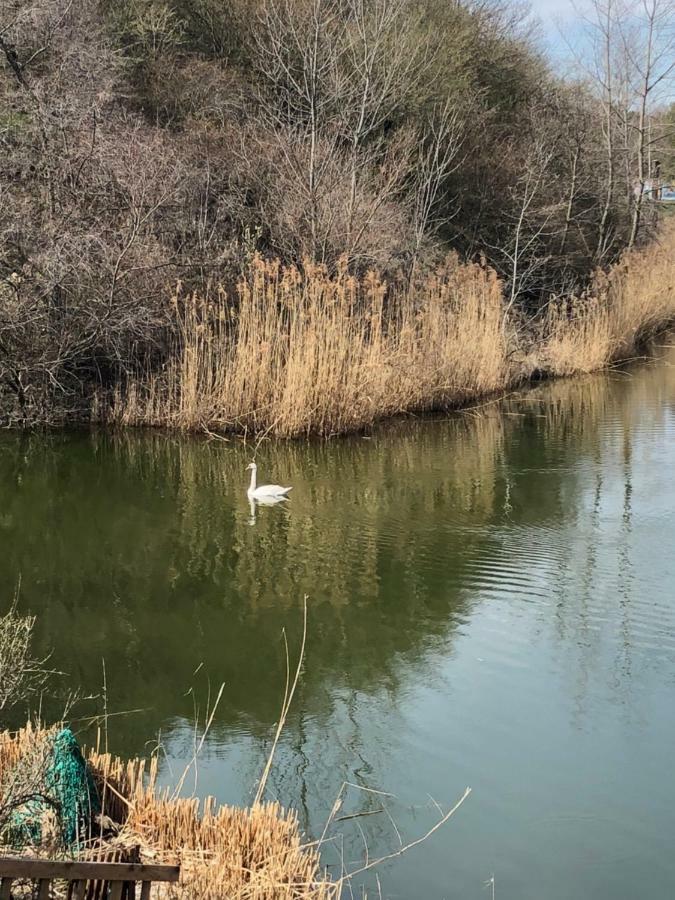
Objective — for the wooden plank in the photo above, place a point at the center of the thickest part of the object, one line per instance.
(115, 890)
(145, 890)
(6, 889)
(43, 889)
(19, 867)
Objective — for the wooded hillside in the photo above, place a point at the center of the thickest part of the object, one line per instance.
(146, 142)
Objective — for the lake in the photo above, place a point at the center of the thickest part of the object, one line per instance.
(491, 603)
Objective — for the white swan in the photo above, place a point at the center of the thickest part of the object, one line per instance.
(265, 492)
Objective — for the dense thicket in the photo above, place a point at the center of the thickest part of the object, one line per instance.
(148, 141)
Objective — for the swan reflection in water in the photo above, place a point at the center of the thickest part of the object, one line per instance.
(264, 501)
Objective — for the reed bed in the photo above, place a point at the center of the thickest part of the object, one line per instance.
(622, 308)
(300, 351)
(224, 852)
(577, 337)
(303, 352)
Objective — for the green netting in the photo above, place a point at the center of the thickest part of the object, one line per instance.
(65, 786)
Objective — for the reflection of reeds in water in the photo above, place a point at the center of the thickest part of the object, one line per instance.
(391, 484)
(418, 504)
(571, 409)
(384, 534)
(382, 482)
(397, 478)
(578, 409)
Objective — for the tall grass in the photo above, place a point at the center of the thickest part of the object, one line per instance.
(300, 351)
(621, 309)
(224, 851)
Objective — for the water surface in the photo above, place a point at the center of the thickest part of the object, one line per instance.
(490, 602)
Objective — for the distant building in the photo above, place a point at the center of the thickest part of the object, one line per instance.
(653, 189)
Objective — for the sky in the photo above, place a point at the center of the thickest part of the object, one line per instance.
(563, 29)
(557, 15)
(549, 8)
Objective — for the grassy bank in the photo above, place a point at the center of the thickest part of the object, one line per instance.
(302, 352)
(621, 309)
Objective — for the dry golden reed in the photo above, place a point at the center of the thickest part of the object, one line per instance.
(300, 351)
(303, 352)
(224, 852)
(621, 309)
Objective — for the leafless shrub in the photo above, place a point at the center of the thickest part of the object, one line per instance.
(21, 674)
(146, 141)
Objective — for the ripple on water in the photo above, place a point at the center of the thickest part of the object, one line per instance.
(491, 603)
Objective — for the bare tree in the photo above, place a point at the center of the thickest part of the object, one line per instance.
(524, 253)
(296, 46)
(576, 131)
(378, 68)
(21, 674)
(630, 54)
(338, 75)
(437, 158)
(648, 38)
(604, 39)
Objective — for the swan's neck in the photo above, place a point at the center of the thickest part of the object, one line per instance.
(252, 485)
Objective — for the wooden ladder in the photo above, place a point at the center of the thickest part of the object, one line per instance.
(86, 880)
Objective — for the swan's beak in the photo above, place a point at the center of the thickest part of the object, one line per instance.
(250, 466)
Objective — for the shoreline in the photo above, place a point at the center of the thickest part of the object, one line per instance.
(85, 425)
(478, 402)
(307, 354)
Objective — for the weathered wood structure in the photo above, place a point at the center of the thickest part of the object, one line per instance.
(85, 880)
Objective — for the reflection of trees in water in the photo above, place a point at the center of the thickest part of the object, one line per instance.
(611, 419)
(139, 549)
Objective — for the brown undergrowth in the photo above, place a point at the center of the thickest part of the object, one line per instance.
(621, 309)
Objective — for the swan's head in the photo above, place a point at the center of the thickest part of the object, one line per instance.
(251, 465)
